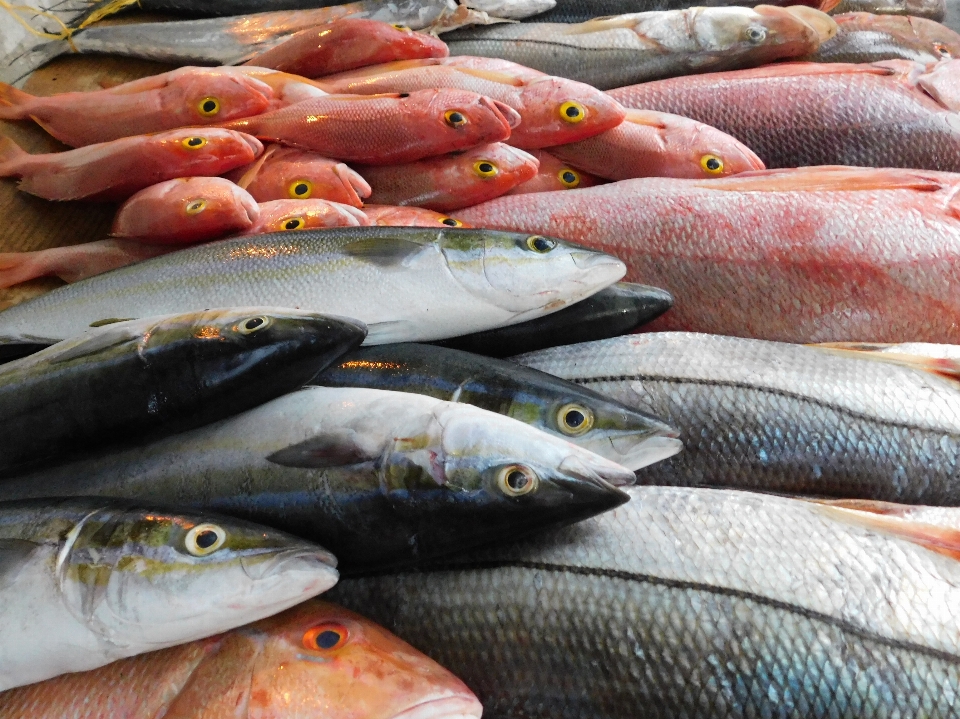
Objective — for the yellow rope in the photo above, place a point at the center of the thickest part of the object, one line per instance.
(104, 10)
(16, 10)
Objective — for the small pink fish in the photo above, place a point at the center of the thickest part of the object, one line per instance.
(286, 215)
(285, 173)
(180, 98)
(390, 216)
(287, 89)
(385, 129)
(555, 175)
(658, 144)
(184, 211)
(452, 181)
(115, 170)
(346, 45)
(75, 262)
(494, 64)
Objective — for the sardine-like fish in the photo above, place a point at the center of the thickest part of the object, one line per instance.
(452, 181)
(800, 114)
(115, 170)
(778, 417)
(578, 11)
(158, 376)
(693, 602)
(391, 216)
(622, 50)
(85, 582)
(930, 9)
(409, 284)
(381, 478)
(75, 262)
(616, 310)
(832, 254)
(865, 37)
(319, 658)
(554, 175)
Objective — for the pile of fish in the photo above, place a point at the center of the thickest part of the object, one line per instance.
(387, 314)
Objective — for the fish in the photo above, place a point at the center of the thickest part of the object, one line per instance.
(610, 52)
(452, 181)
(798, 114)
(73, 263)
(116, 170)
(348, 44)
(387, 129)
(406, 284)
(384, 478)
(390, 216)
(550, 110)
(578, 11)
(616, 310)
(553, 175)
(864, 37)
(778, 417)
(287, 89)
(692, 602)
(941, 83)
(939, 359)
(188, 96)
(832, 255)
(87, 581)
(658, 144)
(185, 211)
(317, 657)
(585, 418)
(929, 9)
(123, 381)
(287, 173)
(287, 215)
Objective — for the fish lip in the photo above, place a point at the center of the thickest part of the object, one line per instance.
(636, 455)
(280, 561)
(510, 117)
(253, 142)
(605, 475)
(455, 707)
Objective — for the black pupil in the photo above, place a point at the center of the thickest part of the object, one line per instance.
(209, 106)
(292, 224)
(252, 324)
(194, 141)
(449, 221)
(575, 418)
(573, 111)
(456, 118)
(713, 164)
(541, 244)
(486, 167)
(300, 189)
(328, 639)
(517, 480)
(207, 539)
(569, 177)
(404, 94)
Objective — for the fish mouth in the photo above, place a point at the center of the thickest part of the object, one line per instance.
(290, 560)
(353, 183)
(510, 117)
(253, 142)
(457, 707)
(601, 473)
(598, 268)
(635, 453)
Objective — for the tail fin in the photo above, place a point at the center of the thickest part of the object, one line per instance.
(17, 267)
(14, 103)
(10, 156)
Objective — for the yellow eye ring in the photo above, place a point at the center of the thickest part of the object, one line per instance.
(204, 539)
(485, 169)
(300, 189)
(208, 106)
(515, 480)
(402, 28)
(451, 222)
(193, 143)
(293, 223)
(572, 112)
(539, 244)
(195, 207)
(568, 178)
(455, 118)
(254, 324)
(574, 419)
(711, 164)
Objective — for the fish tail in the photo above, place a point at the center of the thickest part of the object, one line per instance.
(14, 103)
(17, 267)
(10, 157)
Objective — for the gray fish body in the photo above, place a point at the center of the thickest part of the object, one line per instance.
(689, 603)
(864, 37)
(573, 11)
(779, 417)
(929, 9)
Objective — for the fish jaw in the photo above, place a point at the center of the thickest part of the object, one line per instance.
(546, 103)
(457, 707)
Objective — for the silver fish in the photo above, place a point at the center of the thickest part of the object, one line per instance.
(929, 9)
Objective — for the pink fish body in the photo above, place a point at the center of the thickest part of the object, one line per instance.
(386, 129)
(391, 216)
(493, 64)
(287, 173)
(554, 175)
(185, 211)
(287, 89)
(75, 262)
(554, 110)
(115, 170)
(346, 45)
(942, 83)
(657, 144)
(450, 182)
(286, 215)
(180, 98)
(808, 255)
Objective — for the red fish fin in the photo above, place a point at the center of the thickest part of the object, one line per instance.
(803, 69)
(248, 176)
(947, 367)
(821, 23)
(17, 267)
(828, 179)
(491, 75)
(828, 5)
(10, 157)
(13, 103)
(648, 118)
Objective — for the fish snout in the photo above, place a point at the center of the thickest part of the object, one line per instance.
(314, 561)
(509, 116)
(822, 24)
(595, 472)
(253, 142)
(595, 262)
(463, 706)
(635, 452)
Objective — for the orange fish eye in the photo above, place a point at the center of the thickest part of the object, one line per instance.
(711, 164)
(455, 118)
(572, 112)
(568, 178)
(195, 207)
(208, 106)
(194, 143)
(485, 169)
(325, 637)
(300, 189)
(450, 222)
(402, 28)
(293, 223)
(942, 50)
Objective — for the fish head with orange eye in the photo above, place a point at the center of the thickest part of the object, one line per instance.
(557, 111)
(319, 660)
(206, 96)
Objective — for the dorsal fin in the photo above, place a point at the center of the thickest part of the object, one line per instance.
(491, 75)
(904, 355)
(829, 178)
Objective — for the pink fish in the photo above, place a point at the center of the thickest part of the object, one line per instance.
(942, 82)
(115, 170)
(185, 211)
(554, 175)
(180, 98)
(390, 216)
(493, 64)
(657, 144)
(346, 45)
(285, 215)
(285, 173)
(452, 181)
(287, 89)
(75, 262)
(554, 110)
(821, 254)
(385, 129)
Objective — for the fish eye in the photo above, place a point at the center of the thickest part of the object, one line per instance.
(540, 244)
(711, 164)
(253, 324)
(401, 27)
(209, 106)
(194, 143)
(195, 207)
(450, 222)
(568, 178)
(574, 419)
(485, 169)
(325, 637)
(455, 118)
(755, 34)
(300, 189)
(294, 223)
(572, 112)
(205, 539)
(515, 480)
(942, 50)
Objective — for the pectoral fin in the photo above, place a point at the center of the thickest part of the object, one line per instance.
(934, 359)
(338, 448)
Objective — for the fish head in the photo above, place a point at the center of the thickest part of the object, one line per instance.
(291, 174)
(529, 275)
(204, 96)
(942, 42)
(491, 169)
(557, 111)
(390, 216)
(554, 175)
(362, 42)
(765, 33)
(319, 661)
(207, 151)
(942, 84)
(462, 118)
(147, 578)
(288, 215)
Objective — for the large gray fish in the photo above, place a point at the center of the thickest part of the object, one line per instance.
(405, 283)
(780, 417)
(864, 37)
(573, 11)
(380, 478)
(930, 9)
(626, 49)
(694, 603)
(84, 582)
